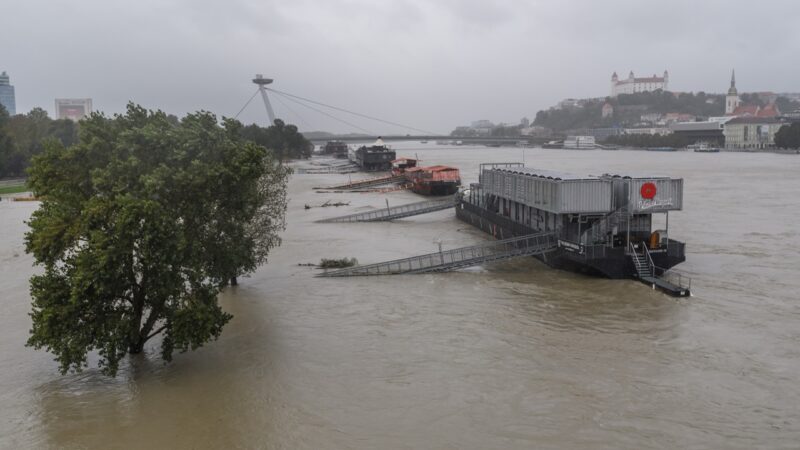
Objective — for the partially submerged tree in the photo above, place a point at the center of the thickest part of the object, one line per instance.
(142, 223)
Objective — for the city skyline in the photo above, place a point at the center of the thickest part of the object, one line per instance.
(432, 66)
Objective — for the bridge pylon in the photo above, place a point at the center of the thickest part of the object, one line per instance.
(262, 82)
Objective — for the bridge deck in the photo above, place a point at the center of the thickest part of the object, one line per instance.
(529, 245)
(395, 212)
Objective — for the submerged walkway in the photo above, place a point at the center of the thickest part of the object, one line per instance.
(370, 182)
(532, 244)
(395, 212)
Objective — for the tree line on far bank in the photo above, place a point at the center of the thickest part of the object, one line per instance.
(23, 136)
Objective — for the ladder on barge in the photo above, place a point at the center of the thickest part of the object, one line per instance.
(395, 212)
(370, 182)
(445, 261)
(671, 281)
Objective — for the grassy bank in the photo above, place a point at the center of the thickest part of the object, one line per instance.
(16, 189)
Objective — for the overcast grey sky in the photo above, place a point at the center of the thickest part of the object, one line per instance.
(430, 64)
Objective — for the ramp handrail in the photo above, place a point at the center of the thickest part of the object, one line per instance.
(394, 212)
(456, 258)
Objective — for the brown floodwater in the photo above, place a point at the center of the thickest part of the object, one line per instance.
(511, 355)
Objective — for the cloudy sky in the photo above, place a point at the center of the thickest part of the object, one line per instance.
(429, 64)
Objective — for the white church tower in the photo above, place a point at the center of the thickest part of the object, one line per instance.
(732, 100)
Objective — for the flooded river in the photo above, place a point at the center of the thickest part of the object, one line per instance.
(512, 355)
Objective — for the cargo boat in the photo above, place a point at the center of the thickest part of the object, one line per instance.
(374, 158)
(603, 224)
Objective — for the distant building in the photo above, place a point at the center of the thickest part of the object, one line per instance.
(677, 117)
(569, 103)
(7, 98)
(751, 133)
(608, 110)
(732, 100)
(650, 117)
(73, 108)
(536, 130)
(710, 132)
(735, 108)
(632, 85)
(649, 130)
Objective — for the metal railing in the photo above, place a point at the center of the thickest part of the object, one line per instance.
(598, 231)
(457, 258)
(394, 212)
(673, 276)
(367, 183)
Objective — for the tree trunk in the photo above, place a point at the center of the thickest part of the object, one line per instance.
(234, 282)
(136, 347)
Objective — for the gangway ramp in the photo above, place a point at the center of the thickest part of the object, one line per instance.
(395, 212)
(528, 245)
(370, 182)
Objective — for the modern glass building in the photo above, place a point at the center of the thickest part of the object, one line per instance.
(7, 94)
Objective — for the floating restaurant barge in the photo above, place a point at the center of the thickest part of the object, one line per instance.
(338, 149)
(603, 224)
(374, 158)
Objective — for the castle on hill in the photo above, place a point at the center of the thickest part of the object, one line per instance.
(632, 84)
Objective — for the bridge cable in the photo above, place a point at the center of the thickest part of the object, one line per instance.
(355, 113)
(293, 112)
(322, 112)
(245, 105)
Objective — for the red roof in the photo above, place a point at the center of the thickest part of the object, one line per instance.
(769, 111)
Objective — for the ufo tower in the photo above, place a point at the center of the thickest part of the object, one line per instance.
(262, 82)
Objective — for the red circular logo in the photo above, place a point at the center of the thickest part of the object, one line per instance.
(648, 190)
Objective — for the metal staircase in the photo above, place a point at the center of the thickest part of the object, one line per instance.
(448, 260)
(670, 281)
(599, 231)
(395, 212)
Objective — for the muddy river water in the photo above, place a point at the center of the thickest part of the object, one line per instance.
(511, 355)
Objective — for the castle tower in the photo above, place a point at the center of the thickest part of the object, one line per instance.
(614, 81)
(732, 100)
(666, 81)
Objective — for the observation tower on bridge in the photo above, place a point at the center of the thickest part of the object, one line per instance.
(262, 82)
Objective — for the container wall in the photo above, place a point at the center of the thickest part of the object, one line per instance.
(668, 196)
(589, 196)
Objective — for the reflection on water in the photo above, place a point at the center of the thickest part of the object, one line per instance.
(512, 355)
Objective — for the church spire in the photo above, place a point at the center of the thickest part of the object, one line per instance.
(732, 90)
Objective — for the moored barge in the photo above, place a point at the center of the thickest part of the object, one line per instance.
(429, 180)
(434, 180)
(373, 158)
(337, 149)
(604, 225)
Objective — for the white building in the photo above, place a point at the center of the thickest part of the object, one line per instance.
(732, 100)
(632, 85)
(73, 108)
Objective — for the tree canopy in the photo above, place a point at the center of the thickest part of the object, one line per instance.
(788, 136)
(25, 134)
(282, 138)
(142, 222)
